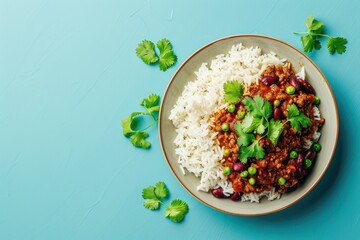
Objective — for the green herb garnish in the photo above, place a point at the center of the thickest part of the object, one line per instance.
(167, 56)
(297, 118)
(315, 30)
(233, 91)
(137, 137)
(146, 52)
(175, 211)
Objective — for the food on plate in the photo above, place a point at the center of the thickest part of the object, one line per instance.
(247, 126)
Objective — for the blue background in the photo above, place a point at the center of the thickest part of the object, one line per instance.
(69, 74)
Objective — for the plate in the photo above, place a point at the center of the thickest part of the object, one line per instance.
(328, 108)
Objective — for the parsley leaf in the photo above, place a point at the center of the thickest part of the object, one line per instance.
(315, 30)
(138, 140)
(337, 44)
(153, 195)
(233, 91)
(137, 137)
(146, 52)
(167, 56)
(297, 118)
(275, 130)
(177, 210)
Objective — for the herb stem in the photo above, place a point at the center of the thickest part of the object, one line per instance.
(301, 33)
(147, 126)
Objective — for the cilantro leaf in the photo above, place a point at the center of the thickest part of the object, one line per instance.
(161, 191)
(128, 122)
(262, 126)
(250, 123)
(167, 56)
(151, 103)
(297, 118)
(152, 204)
(149, 193)
(253, 150)
(138, 140)
(307, 43)
(146, 52)
(336, 44)
(250, 105)
(316, 25)
(275, 130)
(309, 20)
(259, 151)
(258, 106)
(292, 111)
(244, 139)
(233, 91)
(317, 44)
(177, 210)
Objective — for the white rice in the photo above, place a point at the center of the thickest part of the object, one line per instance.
(195, 141)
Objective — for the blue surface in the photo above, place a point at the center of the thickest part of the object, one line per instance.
(69, 74)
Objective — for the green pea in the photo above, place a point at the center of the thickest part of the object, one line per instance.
(252, 170)
(231, 108)
(227, 152)
(252, 181)
(241, 114)
(317, 147)
(244, 174)
(290, 90)
(316, 100)
(293, 154)
(226, 171)
(282, 181)
(276, 103)
(225, 127)
(308, 163)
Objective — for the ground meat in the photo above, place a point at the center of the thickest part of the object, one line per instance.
(277, 163)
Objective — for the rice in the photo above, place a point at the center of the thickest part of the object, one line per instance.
(195, 141)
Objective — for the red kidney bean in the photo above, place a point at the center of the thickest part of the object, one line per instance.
(268, 80)
(278, 114)
(299, 160)
(310, 154)
(239, 167)
(294, 82)
(306, 86)
(235, 196)
(218, 192)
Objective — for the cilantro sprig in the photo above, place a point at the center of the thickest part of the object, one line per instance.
(257, 121)
(153, 195)
(296, 118)
(315, 30)
(146, 52)
(138, 137)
